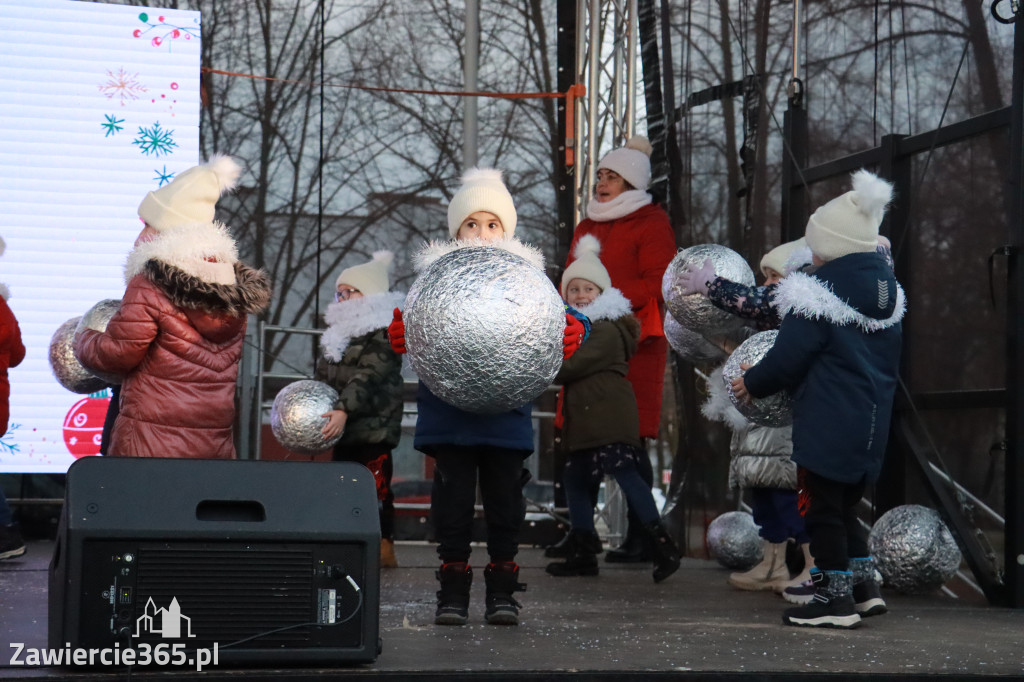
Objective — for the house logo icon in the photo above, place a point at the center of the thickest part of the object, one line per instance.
(168, 623)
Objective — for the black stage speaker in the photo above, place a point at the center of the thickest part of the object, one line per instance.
(260, 562)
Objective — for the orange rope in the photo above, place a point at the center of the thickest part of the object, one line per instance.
(574, 91)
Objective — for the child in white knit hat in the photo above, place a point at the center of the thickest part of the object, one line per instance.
(601, 426)
(838, 351)
(177, 338)
(359, 363)
(468, 447)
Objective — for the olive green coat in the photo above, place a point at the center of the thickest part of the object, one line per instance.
(598, 407)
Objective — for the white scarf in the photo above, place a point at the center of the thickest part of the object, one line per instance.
(348, 319)
(619, 207)
(610, 305)
(431, 251)
(810, 297)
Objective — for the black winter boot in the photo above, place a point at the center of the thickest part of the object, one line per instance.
(453, 598)
(832, 605)
(584, 546)
(560, 549)
(666, 553)
(635, 547)
(867, 597)
(502, 578)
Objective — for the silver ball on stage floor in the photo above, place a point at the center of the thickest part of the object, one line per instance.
(97, 317)
(695, 311)
(690, 345)
(483, 329)
(772, 410)
(295, 417)
(914, 550)
(733, 540)
(67, 370)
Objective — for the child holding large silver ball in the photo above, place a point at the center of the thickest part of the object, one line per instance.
(601, 426)
(468, 447)
(359, 364)
(760, 461)
(838, 351)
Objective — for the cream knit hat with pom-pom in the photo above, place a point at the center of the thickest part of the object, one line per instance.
(587, 265)
(849, 223)
(482, 190)
(369, 278)
(192, 196)
(632, 162)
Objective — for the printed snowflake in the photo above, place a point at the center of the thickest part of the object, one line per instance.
(10, 447)
(111, 125)
(163, 176)
(122, 85)
(155, 140)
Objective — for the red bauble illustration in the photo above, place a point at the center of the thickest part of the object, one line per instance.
(83, 426)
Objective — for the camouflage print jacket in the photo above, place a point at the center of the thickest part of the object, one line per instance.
(359, 363)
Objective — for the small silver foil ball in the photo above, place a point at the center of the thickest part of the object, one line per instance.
(690, 345)
(97, 317)
(914, 550)
(483, 329)
(67, 370)
(773, 410)
(733, 540)
(695, 311)
(295, 416)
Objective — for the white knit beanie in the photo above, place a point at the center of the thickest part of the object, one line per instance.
(191, 196)
(632, 162)
(780, 259)
(587, 265)
(482, 190)
(369, 278)
(849, 223)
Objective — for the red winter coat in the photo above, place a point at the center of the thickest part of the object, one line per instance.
(12, 352)
(636, 250)
(178, 342)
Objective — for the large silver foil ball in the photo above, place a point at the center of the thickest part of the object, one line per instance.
(733, 540)
(295, 416)
(690, 345)
(914, 549)
(773, 410)
(97, 317)
(695, 311)
(483, 329)
(67, 370)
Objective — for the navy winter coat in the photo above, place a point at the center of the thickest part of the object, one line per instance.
(439, 423)
(838, 352)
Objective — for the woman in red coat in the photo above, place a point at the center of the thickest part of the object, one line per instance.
(178, 335)
(637, 245)
(12, 352)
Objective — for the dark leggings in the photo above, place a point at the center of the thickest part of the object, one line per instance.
(584, 471)
(453, 497)
(775, 511)
(836, 533)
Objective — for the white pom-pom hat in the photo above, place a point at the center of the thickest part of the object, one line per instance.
(482, 190)
(632, 162)
(849, 223)
(192, 196)
(369, 278)
(587, 265)
(784, 258)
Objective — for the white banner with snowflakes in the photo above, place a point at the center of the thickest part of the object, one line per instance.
(99, 104)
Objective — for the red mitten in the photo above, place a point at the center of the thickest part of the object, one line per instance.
(396, 333)
(573, 337)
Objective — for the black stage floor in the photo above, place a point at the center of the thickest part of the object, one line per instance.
(616, 626)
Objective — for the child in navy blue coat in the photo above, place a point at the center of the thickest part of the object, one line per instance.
(468, 447)
(838, 352)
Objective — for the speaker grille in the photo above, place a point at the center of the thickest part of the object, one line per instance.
(230, 594)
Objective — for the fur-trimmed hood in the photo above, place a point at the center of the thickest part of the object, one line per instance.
(249, 295)
(431, 251)
(610, 305)
(348, 319)
(718, 407)
(203, 250)
(860, 292)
